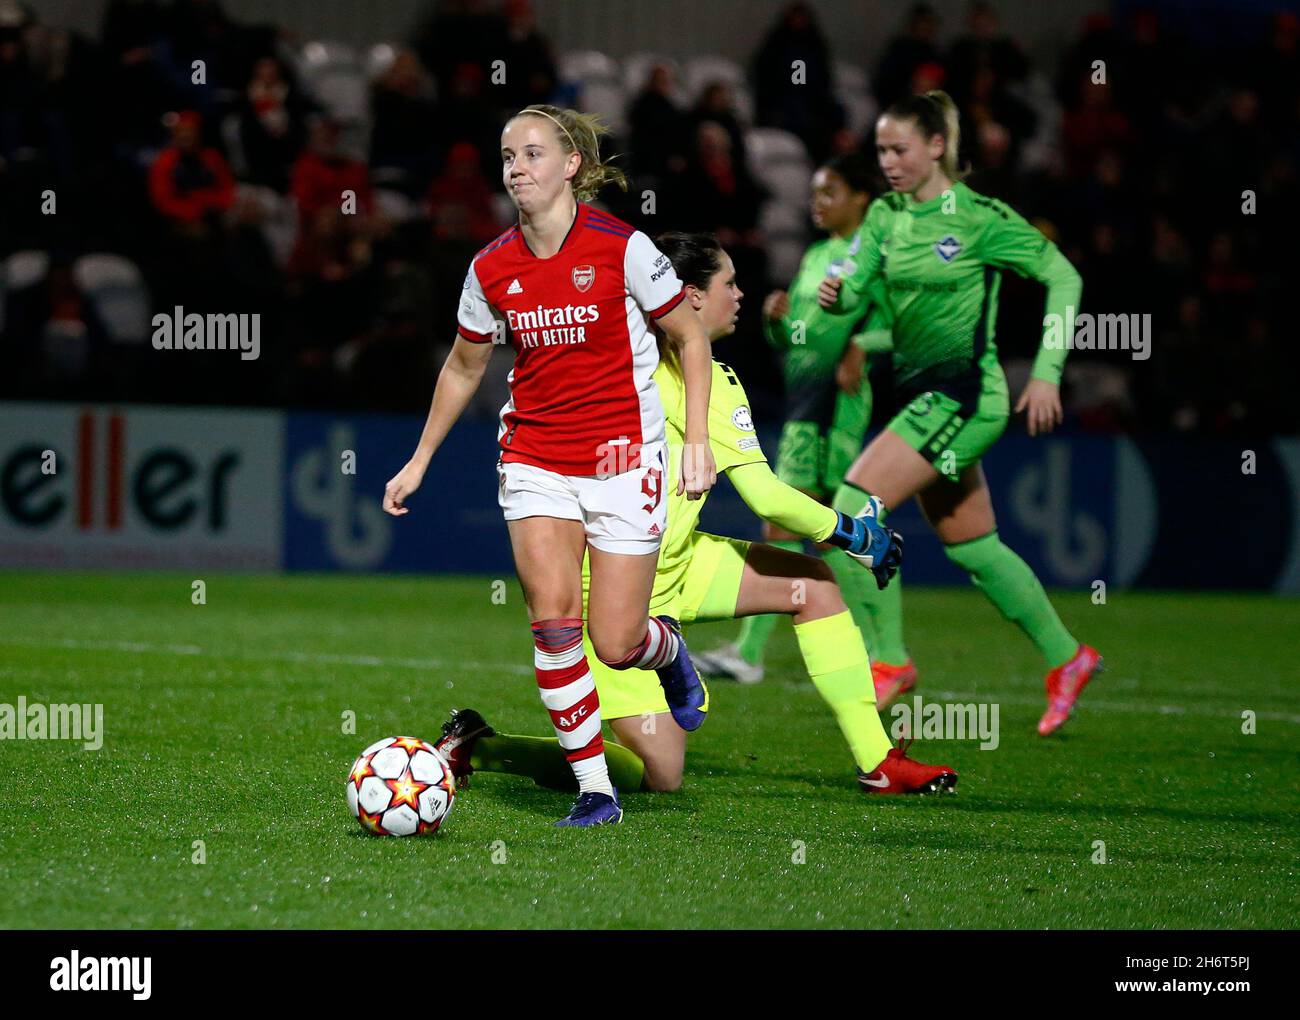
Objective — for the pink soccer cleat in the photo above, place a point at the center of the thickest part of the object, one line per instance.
(1064, 685)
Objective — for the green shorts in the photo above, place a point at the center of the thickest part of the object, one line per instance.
(708, 592)
(814, 457)
(948, 435)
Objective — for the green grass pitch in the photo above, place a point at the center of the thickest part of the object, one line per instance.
(223, 723)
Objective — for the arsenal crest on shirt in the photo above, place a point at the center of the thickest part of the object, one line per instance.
(584, 277)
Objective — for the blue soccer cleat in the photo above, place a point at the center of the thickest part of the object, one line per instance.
(685, 692)
(593, 809)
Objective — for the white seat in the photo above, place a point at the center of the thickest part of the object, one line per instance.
(636, 69)
(854, 93)
(860, 111)
(780, 218)
(848, 77)
(379, 58)
(608, 100)
(279, 224)
(772, 145)
(779, 160)
(783, 256)
(1043, 150)
(395, 206)
(788, 182)
(588, 65)
(703, 70)
(234, 145)
(24, 268)
(116, 289)
(345, 93)
(320, 55)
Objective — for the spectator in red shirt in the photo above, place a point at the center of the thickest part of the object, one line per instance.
(188, 181)
(460, 199)
(328, 220)
(322, 173)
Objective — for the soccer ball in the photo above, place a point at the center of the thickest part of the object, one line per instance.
(400, 786)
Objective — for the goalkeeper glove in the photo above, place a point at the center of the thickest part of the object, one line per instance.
(875, 546)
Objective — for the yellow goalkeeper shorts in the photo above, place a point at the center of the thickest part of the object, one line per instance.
(709, 592)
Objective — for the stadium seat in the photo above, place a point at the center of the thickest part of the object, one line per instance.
(788, 182)
(636, 69)
(395, 206)
(769, 146)
(379, 58)
(782, 219)
(322, 55)
(607, 99)
(25, 269)
(849, 77)
(279, 223)
(234, 145)
(345, 93)
(780, 161)
(783, 255)
(582, 66)
(1043, 150)
(19, 271)
(704, 70)
(854, 94)
(116, 289)
(337, 76)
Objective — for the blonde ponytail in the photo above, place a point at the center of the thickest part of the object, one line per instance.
(948, 162)
(581, 133)
(935, 114)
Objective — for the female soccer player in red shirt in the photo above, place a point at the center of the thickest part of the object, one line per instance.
(583, 458)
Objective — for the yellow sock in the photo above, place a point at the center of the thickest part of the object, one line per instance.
(837, 663)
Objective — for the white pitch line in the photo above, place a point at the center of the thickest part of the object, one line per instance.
(323, 658)
(1144, 708)
(1086, 704)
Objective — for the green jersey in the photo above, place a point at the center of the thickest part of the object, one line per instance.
(936, 266)
(812, 338)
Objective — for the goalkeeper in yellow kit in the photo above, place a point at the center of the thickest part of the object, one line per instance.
(704, 577)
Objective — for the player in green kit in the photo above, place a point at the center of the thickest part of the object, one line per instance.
(704, 577)
(932, 252)
(827, 396)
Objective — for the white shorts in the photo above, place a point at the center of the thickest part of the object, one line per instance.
(625, 513)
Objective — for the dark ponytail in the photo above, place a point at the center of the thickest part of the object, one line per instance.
(695, 258)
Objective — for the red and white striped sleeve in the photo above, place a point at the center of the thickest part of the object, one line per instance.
(651, 279)
(474, 320)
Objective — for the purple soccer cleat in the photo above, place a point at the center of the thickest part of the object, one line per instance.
(592, 809)
(684, 690)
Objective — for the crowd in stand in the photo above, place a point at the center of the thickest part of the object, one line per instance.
(210, 156)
